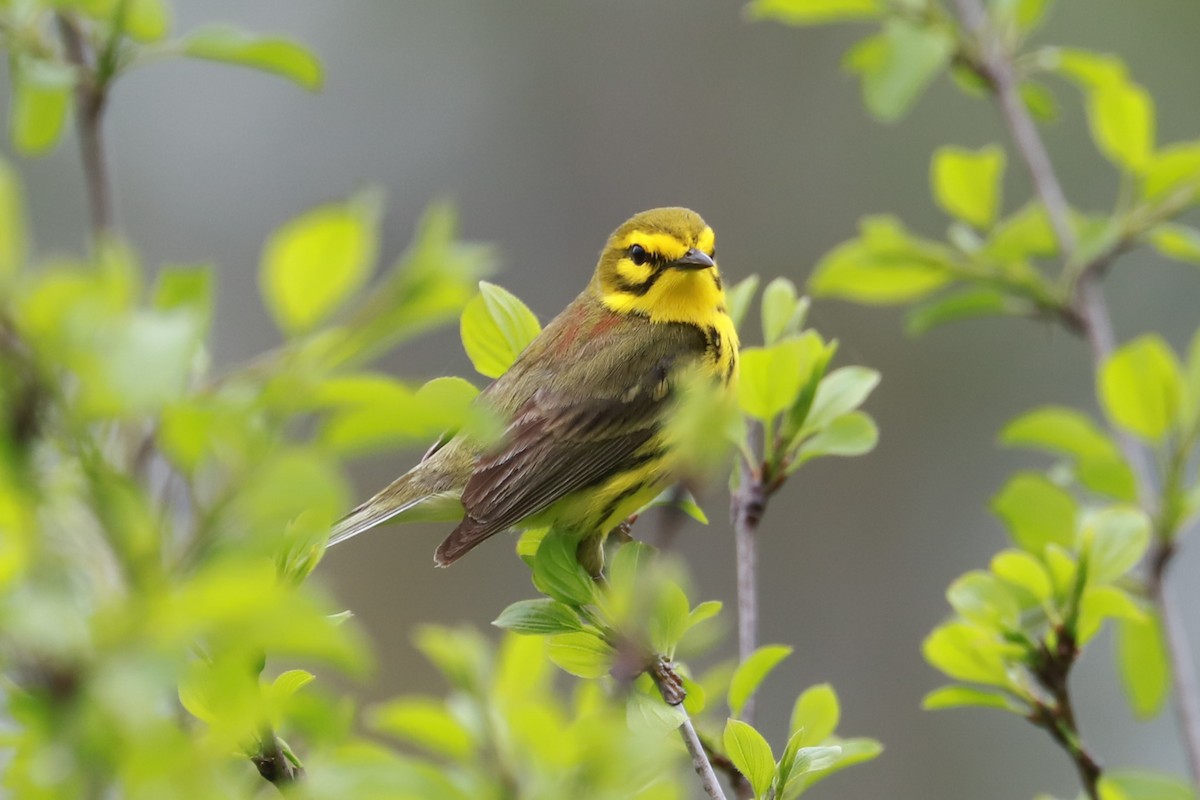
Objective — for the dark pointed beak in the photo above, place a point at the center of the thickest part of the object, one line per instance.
(693, 259)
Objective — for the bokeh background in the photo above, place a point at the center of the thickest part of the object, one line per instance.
(549, 122)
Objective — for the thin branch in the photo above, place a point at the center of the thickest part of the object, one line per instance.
(995, 66)
(1088, 314)
(691, 739)
(1183, 670)
(746, 508)
(91, 97)
(742, 789)
(1053, 669)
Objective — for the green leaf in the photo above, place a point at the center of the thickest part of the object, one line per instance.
(1120, 112)
(839, 392)
(1036, 512)
(815, 715)
(313, 264)
(751, 672)
(883, 266)
(771, 377)
(782, 311)
(971, 302)
(425, 722)
(1131, 785)
(1141, 386)
(682, 501)
(1175, 168)
(854, 751)
(1099, 463)
(12, 224)
(557, 572)
(967, 697)
(496, 326)
(1058, 429)
(1020, 569)
(669, 614)
(897, 65)
(981, 598)
(1039, 100)
(582, 654)
(542, 616)
(851, 434)
(751, 754)
(272, 54)
(814, 12)
(971, 653)
(1143, 664)
(1099, 603)
(41, 98)
(739, 297)
(646, 711)
(967, 183)
(1115, 540)
(704, 611)
(1026, 232)
(1173, 240)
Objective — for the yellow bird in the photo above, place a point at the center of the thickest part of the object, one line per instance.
(585, 402)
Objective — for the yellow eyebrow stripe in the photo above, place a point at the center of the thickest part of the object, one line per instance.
(659, 244)
(634, 273)
(706, 240)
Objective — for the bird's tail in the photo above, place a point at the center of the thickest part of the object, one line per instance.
(408, 499)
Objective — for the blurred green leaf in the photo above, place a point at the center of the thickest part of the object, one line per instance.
(1036, 512)
(884, 265)
(582, 654)
(1120, 112)
(1173, 240)
(897, 65)
(1115, 540)
(1100, 603)
(782, 311)
(852, 434)
(1055, 429)
(971, 653)
(771, 377)
(974, 301)
(12, 223)
(461, 654)
(752, 671)
(141, 20)
(1024, 233)
(1140, 387)
(272, 54)
(980, 598)
(967, 183)
(1175, 168)
(751, 754)
(41, 99)
(425, 722)
(1130, 785)
(557, 572)
(814, 12)
(1018, 568)
(682, 501)
(542, 616)
(967, 697)
(1143, 664)
(839, 392)
(496, 326)
(739, 297)
(1039, 100)
(815, 715)
(313, 264)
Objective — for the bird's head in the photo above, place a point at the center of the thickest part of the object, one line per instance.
(661, 264)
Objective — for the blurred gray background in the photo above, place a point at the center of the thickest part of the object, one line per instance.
(551, 121)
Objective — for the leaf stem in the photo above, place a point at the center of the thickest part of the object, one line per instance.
(1088, 315)
(91, 98)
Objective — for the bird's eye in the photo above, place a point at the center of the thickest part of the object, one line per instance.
(638, 255)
